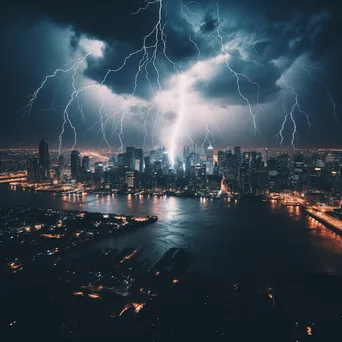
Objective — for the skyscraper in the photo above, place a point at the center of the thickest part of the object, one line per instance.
(210, 159)
(99, 174)
(33, 170)
(130, 152)
(130, 180)
(44, 159)
(148, 169)
(165, 162)
(75, 164)
(139, 157)
(60, 167)
(237, 153)
(85, 164)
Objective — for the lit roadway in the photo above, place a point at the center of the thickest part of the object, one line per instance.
(9, 177)
(313, 210)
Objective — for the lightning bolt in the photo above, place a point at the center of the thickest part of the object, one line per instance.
(308, 68)
(153, 44)
(27, 109)
(282, 128)
(206, 138)
(66, 117)
(295, 107)
(103, 124)
(237, 75)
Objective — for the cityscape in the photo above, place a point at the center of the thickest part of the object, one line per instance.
(72, 247)
(311, 174)
(171, 171)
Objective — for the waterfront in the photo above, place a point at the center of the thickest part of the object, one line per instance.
(249, 238)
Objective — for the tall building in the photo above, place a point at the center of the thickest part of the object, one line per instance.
(99, 173)
(221, 159)
(123, 159)
(139, 158)
(75, 164)
(130, 180)
(33, 170)
(165, 162)
(44, 159)
(210, 160)
(237, 153)
(61, 167)
(148, 169)
(130, 152)
(85, 164)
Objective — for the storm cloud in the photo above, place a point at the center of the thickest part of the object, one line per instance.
(266, 44)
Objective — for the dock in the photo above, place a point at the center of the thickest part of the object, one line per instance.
(331, 222)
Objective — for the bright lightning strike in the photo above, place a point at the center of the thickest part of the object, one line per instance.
(308, 69)
(236, 74)
(295, 107)
(153, 45)
(66, 117)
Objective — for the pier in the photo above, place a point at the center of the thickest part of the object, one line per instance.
(331, 222)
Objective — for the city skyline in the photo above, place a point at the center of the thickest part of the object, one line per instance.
(197, 172)
(171, 170)
(272, 80)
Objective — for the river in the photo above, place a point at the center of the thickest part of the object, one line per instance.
(246, 238)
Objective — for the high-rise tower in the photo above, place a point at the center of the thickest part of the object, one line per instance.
(44, 159)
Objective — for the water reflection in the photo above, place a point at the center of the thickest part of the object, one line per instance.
(129, 201)
(225, 236)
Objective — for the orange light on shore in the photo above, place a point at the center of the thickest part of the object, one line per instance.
(94, 295)
(78, 293)
(130, 256)
(16, 266)
(136, 306)
(52, 236)
(175, 281)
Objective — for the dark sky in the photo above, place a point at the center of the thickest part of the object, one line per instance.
(207, 69)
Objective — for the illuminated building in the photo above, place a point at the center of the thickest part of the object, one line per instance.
(299, 173)
(99, 174)
(216, 170)
(221, 159)
(192, 177)
(61, 168)
(272, 169)
(202, 175)
(123, 159)
(165, 162)
(139, 158)
(130, 180)
(75, 164)
(244, 174)
(137, 164)
(33, 170)
(214, 183)
(237, 154)
(44, 159)
(210, 160)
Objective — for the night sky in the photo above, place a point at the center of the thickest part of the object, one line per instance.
(184, 86)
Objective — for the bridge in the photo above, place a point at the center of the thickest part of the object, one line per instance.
(9, 177)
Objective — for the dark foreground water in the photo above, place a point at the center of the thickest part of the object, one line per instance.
(247, 238)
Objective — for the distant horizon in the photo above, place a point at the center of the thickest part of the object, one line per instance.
(160, 146)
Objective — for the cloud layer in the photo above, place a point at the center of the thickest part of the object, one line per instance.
(205, 95)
